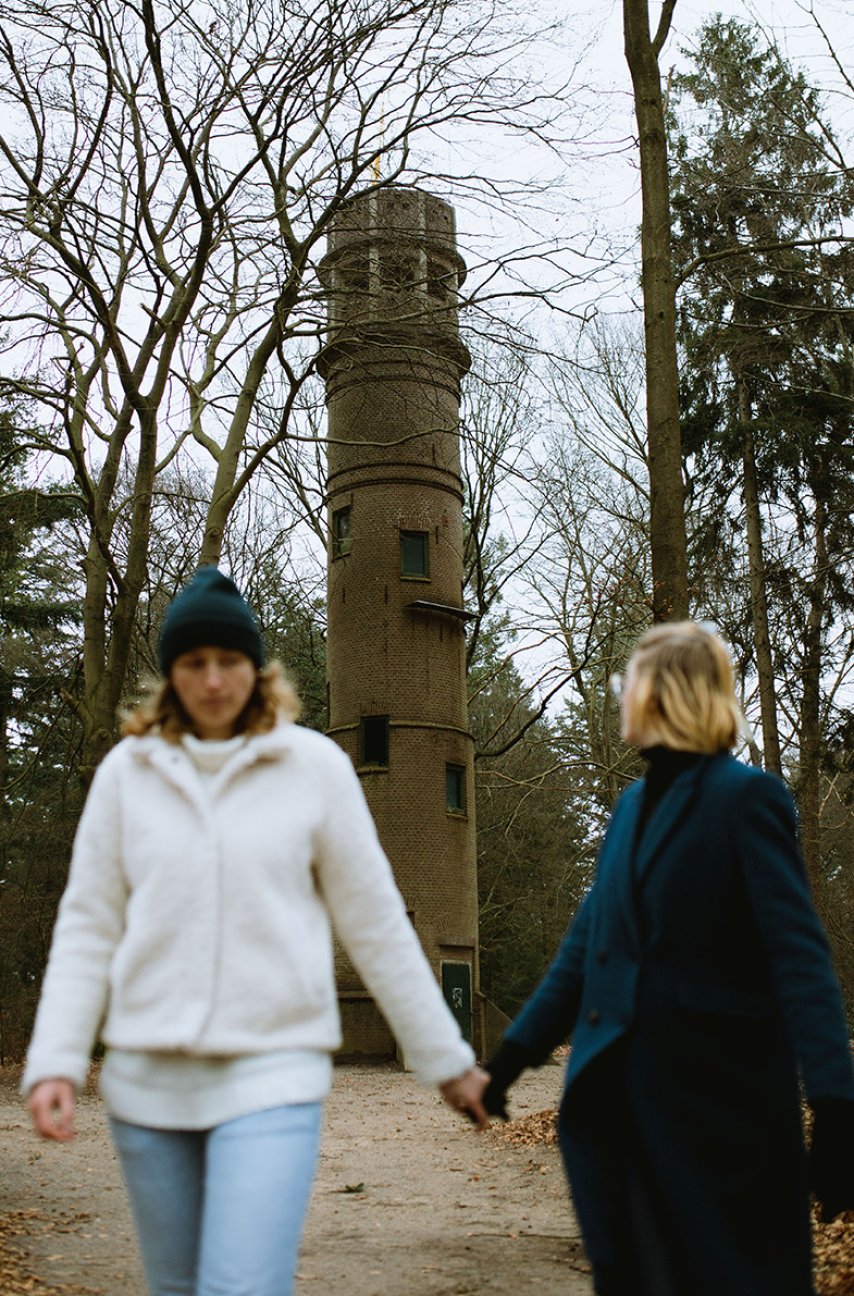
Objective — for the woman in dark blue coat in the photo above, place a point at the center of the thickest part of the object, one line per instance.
(697, 986)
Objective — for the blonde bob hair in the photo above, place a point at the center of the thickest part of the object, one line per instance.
(273, 699)
(682, 691)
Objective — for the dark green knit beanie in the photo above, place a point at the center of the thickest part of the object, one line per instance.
(209, 612)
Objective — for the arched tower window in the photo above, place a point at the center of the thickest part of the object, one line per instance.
(441, 281)
(354, 276)
(398, 270)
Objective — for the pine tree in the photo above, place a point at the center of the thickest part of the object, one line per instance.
(766, 329)
(40, 794)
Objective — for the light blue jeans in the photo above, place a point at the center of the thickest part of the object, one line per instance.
(220, 1212)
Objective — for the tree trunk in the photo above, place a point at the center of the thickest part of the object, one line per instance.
(809, 774)
(667, 502)
(758, 597)
(104, 673)
(113, 603)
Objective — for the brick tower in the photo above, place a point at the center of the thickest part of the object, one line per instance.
(396, 627)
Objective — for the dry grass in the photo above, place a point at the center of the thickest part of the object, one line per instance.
(833, 1252)
(529, 1131)
(16, 1278)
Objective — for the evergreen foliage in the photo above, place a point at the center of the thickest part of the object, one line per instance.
(40, 735)
(763, 249)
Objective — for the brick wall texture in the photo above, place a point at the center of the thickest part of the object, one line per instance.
(393, 366)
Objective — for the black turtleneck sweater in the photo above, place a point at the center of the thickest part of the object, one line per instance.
(663, 766)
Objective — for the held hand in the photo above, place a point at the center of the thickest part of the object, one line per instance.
(495, 1099)
(51, 1104)
(465, 1094)
(504, 1067)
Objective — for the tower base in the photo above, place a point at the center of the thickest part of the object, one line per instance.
(364, 1031)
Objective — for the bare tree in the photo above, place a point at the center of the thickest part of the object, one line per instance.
(598, 394)
(588, 593)
(170, 172)
(499, 422)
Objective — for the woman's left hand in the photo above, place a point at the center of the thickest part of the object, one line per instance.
(51, 1104)
(465, 1094)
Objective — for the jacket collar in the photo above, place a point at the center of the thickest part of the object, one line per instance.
(173, 763)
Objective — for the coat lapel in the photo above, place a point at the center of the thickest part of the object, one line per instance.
(666, 819)
(615, 863)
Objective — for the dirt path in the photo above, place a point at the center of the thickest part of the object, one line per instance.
(407, 1201)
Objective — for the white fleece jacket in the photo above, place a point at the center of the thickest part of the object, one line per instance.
(201, 924)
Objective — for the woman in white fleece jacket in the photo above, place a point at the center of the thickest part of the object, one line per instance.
(218, 845)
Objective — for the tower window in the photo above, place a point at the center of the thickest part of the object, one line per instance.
(373, 740)
(397, 271)
(340, 532)
(440, 282)
(414, 553)
(455, 789)
(355, 276)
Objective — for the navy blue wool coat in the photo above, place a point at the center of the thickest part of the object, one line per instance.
(697, 984)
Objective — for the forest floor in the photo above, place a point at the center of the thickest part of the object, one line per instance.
(408, 1201)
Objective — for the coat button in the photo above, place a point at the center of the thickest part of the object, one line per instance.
(602, 956)
(594, 1016)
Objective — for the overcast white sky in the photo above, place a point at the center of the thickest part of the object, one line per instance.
(601, 178)
(788, 19)
(601, 165)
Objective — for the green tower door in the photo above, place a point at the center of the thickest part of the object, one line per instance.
(456, 987)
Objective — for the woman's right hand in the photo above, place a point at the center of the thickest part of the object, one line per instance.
(464, 1095)
(52, 1104)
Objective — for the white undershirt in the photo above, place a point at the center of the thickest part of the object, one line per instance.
(210, 754)
(182, 1091)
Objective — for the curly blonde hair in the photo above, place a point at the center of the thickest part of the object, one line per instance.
(683, 693)
(273, 699)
